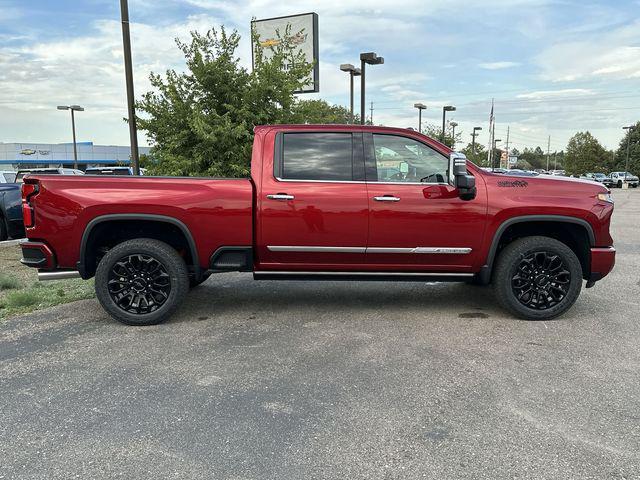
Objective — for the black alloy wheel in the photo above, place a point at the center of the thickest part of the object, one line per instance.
(541, 280)
(139, 284)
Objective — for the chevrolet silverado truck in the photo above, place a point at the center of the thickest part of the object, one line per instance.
(323, 202)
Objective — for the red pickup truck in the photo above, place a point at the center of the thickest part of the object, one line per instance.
(323, 202)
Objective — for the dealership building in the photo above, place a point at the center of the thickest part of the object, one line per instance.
(14, 156)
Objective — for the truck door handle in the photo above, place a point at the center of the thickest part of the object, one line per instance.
(387, 198)
(280, 196)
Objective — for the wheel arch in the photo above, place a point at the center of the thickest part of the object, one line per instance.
(86, 271)
(487, 269)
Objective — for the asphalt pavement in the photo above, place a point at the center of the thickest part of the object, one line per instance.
(312, 380)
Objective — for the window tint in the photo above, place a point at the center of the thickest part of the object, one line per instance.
(402, 159)
(317, 156)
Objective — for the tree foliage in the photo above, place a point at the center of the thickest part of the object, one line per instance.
(619, 160)
(201, 121)
(585, 154)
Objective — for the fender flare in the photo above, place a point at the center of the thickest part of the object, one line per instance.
(136, 216)
(487, 268)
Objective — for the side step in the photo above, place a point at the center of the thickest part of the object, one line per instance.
(364, 276)
(232, 259)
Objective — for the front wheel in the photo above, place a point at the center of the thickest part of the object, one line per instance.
(537, 278)
(141, 281)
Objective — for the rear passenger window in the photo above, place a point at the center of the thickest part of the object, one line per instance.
(317, 156)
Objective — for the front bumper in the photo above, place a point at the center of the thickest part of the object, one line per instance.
(602, 261)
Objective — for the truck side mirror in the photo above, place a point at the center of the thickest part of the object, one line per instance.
(459, 178)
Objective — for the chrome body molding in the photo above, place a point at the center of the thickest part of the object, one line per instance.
(427, 250)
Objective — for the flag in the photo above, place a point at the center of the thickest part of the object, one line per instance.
(492, 132)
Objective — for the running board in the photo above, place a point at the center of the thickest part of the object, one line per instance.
(364, 276)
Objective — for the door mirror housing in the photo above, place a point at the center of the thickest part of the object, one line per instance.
(459, 178)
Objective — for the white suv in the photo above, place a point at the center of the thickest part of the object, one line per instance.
(617, 178)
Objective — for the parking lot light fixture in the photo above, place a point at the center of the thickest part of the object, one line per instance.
(370, 58)
(445, 109)
(353, 72)
(453, 134)
(630, 128)
(420, 107)
(73, 108)
(473, 139)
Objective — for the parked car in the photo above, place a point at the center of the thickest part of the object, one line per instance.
(7, 176)
(558, 173)
(618, 178)
(319, 205)
(541, 171)
(10, 211)
(46, 171)
(596, 177)
(109, 171)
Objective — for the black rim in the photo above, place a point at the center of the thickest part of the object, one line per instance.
(541, 280)
(139, 284)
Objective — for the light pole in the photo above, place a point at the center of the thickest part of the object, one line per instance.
(353, 72)
(473, 139)
(420, 107)
(128, 73)
(495, 143)
(445, 109)
(630, 129)
(73, 108)
(372, 59)
(453, 134)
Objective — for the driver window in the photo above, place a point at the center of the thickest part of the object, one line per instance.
(402, 159)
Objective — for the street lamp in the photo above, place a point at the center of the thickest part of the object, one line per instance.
(473, 139)
(73, 108)
(445, 109)
(372, 59)
(420, 107)
(353, 72)
(495, 143)
(453, 134)
(626, 164)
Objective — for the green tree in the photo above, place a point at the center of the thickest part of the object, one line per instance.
(620, 159)
(322, 112)
(480, 155)
(201, 122)
(584, 154)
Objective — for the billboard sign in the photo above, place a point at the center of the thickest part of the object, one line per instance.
(304, 37)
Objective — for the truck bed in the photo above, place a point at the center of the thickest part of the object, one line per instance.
(214, 210)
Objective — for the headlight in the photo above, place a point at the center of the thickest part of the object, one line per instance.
(605, 197)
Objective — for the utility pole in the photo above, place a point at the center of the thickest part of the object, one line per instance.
(128, 69)
(548, 147)
(508, 165)
(371, 115)
(629, 129)
(555, 160)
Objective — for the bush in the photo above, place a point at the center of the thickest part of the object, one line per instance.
(8, 283)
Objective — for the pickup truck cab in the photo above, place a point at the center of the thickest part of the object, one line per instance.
(618, 178)
(323, 202)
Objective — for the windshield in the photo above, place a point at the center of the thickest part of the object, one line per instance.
(9, 177)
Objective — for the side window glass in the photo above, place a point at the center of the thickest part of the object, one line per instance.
(317, 156)
(402, 159)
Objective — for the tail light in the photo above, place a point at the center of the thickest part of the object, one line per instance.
(28, 191)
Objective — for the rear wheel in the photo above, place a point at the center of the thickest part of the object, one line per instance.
(141, 281)
(537, 278)
(4, 234)
(619, 183)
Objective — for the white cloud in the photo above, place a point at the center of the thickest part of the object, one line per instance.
(541, 94)
(498, 65)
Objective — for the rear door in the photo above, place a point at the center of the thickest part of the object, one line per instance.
(416, 220)
(312, 201)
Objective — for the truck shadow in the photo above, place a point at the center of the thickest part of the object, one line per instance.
(239, 294)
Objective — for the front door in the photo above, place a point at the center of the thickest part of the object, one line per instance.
(313, 208)
(416, 219)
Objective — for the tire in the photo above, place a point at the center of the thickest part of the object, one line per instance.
(141, 281)
(194, 283)
(524, 278)
(619, 183)
(4, 234)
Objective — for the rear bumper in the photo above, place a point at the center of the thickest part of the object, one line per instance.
(37, 255)
(602, 261)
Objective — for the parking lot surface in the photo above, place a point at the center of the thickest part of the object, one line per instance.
(296, 380)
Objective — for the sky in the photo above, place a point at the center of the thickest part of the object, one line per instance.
(552, 67)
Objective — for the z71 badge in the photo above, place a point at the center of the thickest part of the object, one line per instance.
(513, 183)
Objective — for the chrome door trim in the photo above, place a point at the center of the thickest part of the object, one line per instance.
(280, 196)
(429, 250)
(386, 199)
(400, 274)
(308, 249)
